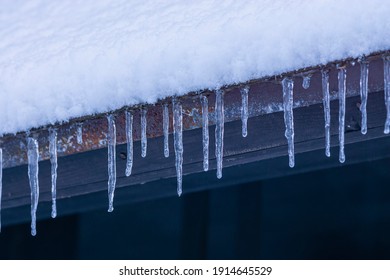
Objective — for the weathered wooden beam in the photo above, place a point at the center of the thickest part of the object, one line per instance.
(82, 175)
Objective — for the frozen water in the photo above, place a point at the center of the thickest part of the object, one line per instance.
(363, 93)
(33, 168)
(166, 129)
(79, 133)
(129, 140)
(205, 131)
(1, 180)
(326, 102)
(178, 142)
(306, 81)
(219, 130)
(54, 165)
(386, 65)
(92, 56)
(342, 76)
(111, 145)
(288, 87)
(144, 139)
(244, 110)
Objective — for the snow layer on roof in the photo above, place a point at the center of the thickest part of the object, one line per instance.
(68, 58)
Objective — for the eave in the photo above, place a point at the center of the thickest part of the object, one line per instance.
(82, 171)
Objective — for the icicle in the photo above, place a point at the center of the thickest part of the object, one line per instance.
(33, 156)
(79, 135)
(205, 131)
(219, 130)
(129, 139)
(244, 110)
(1, 180)
(288, 86)
(178, 142)
(54, 165)
(144, 139)
(386, 65)
(166, 129)
(326, 102)
(364, 92)
(306, 81)
(111, 145)
(342, 75)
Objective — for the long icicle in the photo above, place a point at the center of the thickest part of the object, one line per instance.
(326, 102)
(205, 131)
(364, 92)
(54, 165)
(244, 110)
(386, 72)
(178, 143)
(111, 145)
(342, 75)
(288, 87)
(33, 168)
(144, 139)
(166, 129)
(1, 181)
(129, 140)
(219, 130)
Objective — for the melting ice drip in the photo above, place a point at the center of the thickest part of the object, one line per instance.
(1, 180)
(111, 145)
(326, 102)
(205, 131)
(306, 81)
(54, 165)
(129, 140)
(144, 139)
(244, 111)
(166, 129)
(342, 75)
(386, 70)
(178, 142)
(33, 156)
(288, 86)
(79, 133)
(219, 130)
(364, 93)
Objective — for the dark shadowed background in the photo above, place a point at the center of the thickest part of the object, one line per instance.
(338, 213)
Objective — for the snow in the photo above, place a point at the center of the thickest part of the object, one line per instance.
(69, 58)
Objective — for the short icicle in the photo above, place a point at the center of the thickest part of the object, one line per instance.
(129, 140)
(244, 110)
(33, 157)
(364, 93)
(219, 130)
(111, 145)
(288, 87)
(205, 131)
(178, 142)
(54, 165)
(326, 102)
(306, 81)
(166, 129)
(386, 72)
(342, 75)
(79, 133)
(1, 181)
(144, 139)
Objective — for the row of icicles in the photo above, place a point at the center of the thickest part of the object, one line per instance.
(287, 84)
